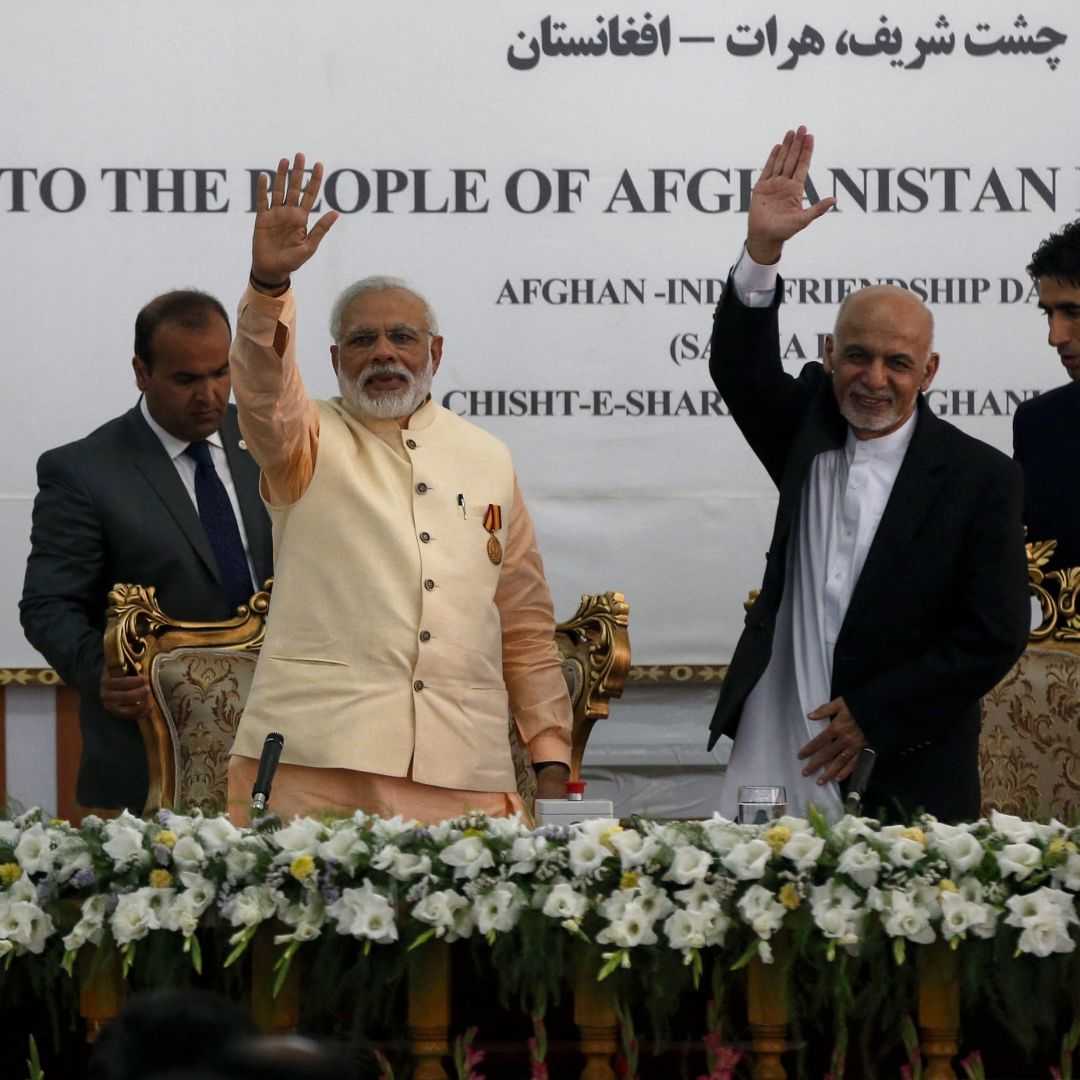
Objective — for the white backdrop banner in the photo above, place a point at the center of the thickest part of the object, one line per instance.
(568, 184)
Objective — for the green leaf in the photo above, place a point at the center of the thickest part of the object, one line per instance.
(899, 951)
(68, 963)
(748, 955)
(612, 963)
(817, 821)
(128, 954)
(427, 935)
(192, 946)
(33, 1063)
(282, 967)
(241, 945)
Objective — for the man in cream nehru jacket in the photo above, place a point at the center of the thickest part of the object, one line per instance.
(410, 611)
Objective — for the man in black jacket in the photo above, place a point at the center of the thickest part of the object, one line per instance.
(895, 588)
(1046, 429)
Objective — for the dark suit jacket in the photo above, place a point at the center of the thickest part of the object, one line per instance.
(1046, 443)
(111, 507)
(940, 611)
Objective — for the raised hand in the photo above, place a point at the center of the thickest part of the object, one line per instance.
(776, 206)
(281, 242)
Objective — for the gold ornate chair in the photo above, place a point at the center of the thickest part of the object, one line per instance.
(1029, 749)
(200, 674)
(595, 648)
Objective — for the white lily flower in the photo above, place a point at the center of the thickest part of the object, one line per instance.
(1012, 828)
(861, 863)
(136, 915)
(468, 856)
(563, 902)
(586, 854)
(364, 913)
(188, 853)
(499, 908)
(803, 849)
(748, 860)
(239, 862)
(447, 910)
(250, 906)
(688, 863)
(125, 843)
(633, 927)
(761, 911)
(1018, 860)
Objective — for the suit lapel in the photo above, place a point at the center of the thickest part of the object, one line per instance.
(911, 498)
(245, 474)
(160, 473)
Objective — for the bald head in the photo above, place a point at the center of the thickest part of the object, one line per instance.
(881, 299)
(880, 356)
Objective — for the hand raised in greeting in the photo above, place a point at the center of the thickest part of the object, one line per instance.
(281, 242)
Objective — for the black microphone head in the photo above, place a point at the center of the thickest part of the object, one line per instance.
(268, 763)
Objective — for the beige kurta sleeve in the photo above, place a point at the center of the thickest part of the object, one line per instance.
(279, 422)
(531, 666)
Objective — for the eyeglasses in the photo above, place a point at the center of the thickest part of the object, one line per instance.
(364, 339)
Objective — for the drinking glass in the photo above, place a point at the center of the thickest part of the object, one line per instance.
(761, 803)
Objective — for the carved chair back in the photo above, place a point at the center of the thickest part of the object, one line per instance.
(200, 674)
(1029, 748)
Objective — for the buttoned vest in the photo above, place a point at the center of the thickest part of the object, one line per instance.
(383, 644)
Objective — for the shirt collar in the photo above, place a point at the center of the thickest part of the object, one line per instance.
(174, 447)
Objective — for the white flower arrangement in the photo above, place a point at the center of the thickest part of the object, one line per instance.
(676, 887)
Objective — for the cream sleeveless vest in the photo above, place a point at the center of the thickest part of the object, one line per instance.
(383, 644)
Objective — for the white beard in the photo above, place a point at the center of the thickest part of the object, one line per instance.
(387, 404)
(863, 422)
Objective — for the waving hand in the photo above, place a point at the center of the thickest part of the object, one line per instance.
(282, 242)
(776, 206)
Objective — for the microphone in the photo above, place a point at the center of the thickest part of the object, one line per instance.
(268, 763)
(860, 777)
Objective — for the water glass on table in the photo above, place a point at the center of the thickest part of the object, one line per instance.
(761, 803)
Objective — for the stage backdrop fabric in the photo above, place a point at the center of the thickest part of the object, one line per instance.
(568, 184)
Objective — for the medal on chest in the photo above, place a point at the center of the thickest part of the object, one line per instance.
(493, 523)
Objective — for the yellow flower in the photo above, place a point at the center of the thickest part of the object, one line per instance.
(777, 837)
(472, 832)
(629, 880)
(916, 834)
(10, 872)
(303, 866)
(947, 885)
(607, 834)
(167, 838)
(789, 896)
(160, 879)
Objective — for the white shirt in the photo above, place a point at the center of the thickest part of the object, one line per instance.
(185, 467)
(840, 507)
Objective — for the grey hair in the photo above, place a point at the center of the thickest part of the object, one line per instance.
(376, 283)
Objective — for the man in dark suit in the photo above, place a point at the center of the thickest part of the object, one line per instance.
(129, 503)
(1046, 429)
(895, 586)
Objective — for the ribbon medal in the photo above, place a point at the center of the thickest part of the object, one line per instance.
(493, 523)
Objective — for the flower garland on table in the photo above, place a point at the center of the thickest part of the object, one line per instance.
(633, 898)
